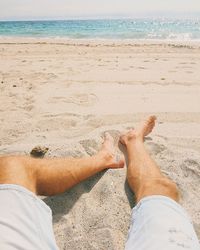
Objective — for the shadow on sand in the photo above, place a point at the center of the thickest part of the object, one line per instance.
(63, 203)
(129, 193)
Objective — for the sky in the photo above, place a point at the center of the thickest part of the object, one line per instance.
(69, 9)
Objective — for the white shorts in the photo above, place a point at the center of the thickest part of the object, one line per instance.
(159, 223)
(25, 220)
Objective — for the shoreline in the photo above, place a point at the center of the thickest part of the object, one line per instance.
(98, 41)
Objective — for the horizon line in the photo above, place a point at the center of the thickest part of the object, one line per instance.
(96, 18)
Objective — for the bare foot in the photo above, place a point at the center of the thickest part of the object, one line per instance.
(143, 130)
(108, 152)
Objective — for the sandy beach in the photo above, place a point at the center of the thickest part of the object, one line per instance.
(64, 94)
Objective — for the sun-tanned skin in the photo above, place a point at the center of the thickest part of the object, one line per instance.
(143, 175)
(54, 176)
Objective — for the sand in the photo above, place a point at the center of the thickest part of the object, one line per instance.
(63, 94)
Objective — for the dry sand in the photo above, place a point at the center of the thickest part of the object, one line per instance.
(65, 94)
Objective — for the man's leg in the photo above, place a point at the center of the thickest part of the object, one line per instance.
(25, 220)
(158, 221)
(144, 176)
(53, 176)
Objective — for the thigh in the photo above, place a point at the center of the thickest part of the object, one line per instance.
(18, 170)
(158, 222)
(25, 220)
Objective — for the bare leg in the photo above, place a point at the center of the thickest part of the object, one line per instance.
(53, 176)
(144, 176)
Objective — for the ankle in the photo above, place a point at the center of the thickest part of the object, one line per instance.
(134, 140)
(104, 158)
(132, 137)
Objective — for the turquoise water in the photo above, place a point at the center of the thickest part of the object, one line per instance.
(105, 29)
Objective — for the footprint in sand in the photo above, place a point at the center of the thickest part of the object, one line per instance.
(156, 148)
(57, 98)
(94, 122)
(190, 169)
(72, 153)
(29, 107)
(51, 75)
(114, 133)
(28, 104)
(55, 124)
(83, 99)
(142, 68)
(90, 146)
(78, 99)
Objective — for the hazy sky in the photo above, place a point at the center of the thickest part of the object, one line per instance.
(65, 9)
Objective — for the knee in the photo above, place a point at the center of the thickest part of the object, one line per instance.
(11, 168)
(15, 170)
(8, 162)
(162, 186)
(170, 188)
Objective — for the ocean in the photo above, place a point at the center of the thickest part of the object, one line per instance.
(151, 29)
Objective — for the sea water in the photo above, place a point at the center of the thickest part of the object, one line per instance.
(162, 29)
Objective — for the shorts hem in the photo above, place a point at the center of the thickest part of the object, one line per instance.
(25, 191)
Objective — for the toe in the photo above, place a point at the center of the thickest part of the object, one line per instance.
(151, 119)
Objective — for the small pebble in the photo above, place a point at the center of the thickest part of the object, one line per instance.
(39, 151)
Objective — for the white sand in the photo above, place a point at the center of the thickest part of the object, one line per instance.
(65, 94)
